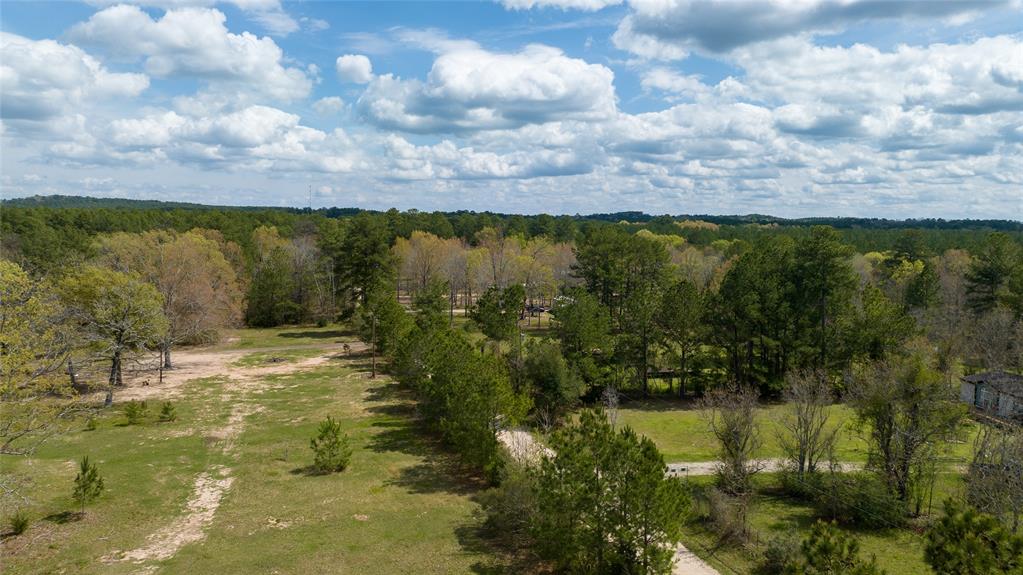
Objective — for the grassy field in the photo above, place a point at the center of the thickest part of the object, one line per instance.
(250, 338)
(401, 507)
(680, 431)
(899, 551)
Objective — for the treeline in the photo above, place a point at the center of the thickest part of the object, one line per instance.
(44, 232)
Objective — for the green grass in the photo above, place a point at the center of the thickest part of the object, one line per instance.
(402, 506)
(899, 551)
(680, 431)
(251, 338)
(278, 356)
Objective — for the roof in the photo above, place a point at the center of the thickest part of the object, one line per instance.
(1004, 382)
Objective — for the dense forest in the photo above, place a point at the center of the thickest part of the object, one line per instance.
(882, 316)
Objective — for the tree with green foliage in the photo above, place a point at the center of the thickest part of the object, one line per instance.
(88, 483)
(908, 410)
(35, 340)
(994, 265)
(967, 542)
(753, 313)
(829, 551)
(270, 291)
(199, 286)
(330, 447)
(824, 284)
(365, 261)
(923, 289)
(680, 318)
(117, 313)
(392, 321)
(497, 312)
(583, 327)
(876, 327)
(555, 384)
(603, 502)
(466, 396)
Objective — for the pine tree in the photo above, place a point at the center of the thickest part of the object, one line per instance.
(967, 542)
(88, 483)
(330, 447)
(828, 551)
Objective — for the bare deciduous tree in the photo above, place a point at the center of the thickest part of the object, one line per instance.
(994, 481)
(805, 436)
(909, 410)
(731, 415)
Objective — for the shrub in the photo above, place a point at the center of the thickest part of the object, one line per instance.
(135, 411)
(18, 523)
(729, 516)
(330, 447)
(511, 506)
(778, 553)
(167, 412)
(859, 499)
(830, 551)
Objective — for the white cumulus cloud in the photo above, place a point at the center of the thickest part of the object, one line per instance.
(194, 42)
(354, 68)
(474, 89)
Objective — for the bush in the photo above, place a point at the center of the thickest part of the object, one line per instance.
(511, 506)
(167, 412)
(330, 447)
(729, 516)
(135, 411)
(859, 499)
(18, 523)
(778, 553)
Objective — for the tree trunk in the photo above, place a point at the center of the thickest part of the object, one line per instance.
(115, 369)
(71, 373)
(167, 355)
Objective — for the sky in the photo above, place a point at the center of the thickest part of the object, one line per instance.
(794, 108)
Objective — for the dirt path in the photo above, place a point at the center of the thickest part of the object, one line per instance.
(200, 363)
(694, 468)
(242, 386)
(523, 446)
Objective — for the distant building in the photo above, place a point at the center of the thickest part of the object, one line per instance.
(995, 393)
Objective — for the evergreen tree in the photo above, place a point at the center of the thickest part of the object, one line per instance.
(824, 284)
(828, 551)
(966, 542)
(88, 483)
(603, 502)
(991, 269)
(330, 447)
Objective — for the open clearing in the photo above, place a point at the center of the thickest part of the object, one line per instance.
(225, 488)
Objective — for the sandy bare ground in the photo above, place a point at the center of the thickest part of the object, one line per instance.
(200, 363)
(242, 386)
(523, 447)
(684, 469)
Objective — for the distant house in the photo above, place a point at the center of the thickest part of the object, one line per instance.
(995, 393)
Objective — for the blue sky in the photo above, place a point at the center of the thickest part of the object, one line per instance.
(794, 108)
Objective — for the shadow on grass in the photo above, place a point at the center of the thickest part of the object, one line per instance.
(635, 400)
(398, 430)
(64, 517)
(334, 333)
